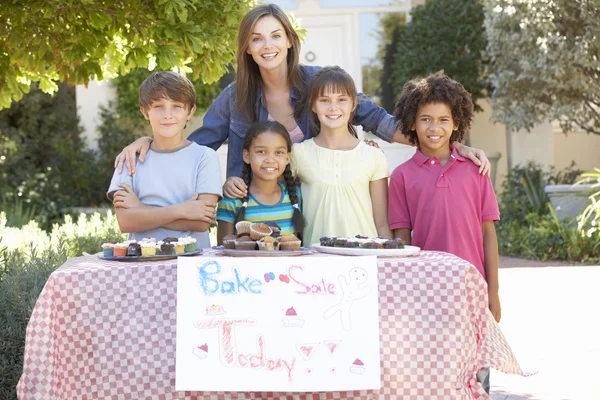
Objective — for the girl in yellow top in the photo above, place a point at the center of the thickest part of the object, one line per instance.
(344, 181)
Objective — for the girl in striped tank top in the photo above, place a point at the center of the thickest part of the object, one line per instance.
(266, 154)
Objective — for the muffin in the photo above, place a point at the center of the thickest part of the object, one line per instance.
(245, 243)
(134, 250)
(268, 243)
(275, 228)
(229, 241)
(289, 242)
(243, 227)
(259, 230)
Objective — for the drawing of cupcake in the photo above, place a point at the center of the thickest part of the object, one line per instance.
(357, 367)
(291, 320)
(201, 351)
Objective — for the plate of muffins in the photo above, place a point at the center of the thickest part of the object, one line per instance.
(149, 249)
(257, 239)
(364, 246)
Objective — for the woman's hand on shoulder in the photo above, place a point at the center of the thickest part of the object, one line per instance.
(372, 143)
(235, 188)
(477, 156)
(127, 156)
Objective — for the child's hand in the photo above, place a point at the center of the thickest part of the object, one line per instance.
(199, 210)
(235, 188)
(126, 198)
(495, 305)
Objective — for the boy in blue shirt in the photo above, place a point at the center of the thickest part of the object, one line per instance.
(175, 191)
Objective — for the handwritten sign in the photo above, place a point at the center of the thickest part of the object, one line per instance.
(290, 324)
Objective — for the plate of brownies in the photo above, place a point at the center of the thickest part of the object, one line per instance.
(149, 249)
(364, 246)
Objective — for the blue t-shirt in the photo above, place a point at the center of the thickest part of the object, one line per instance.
(280, 213)
(166, 178)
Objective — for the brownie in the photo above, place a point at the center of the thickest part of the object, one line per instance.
(134, 249)
(351, 244)
(371, 245)
(393, 244)
(339, 242)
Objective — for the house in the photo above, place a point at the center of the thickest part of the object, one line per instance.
(343, 32)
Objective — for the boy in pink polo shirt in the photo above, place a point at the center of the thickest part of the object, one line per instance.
(437, 195)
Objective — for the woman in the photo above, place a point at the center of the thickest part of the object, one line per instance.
(272, 85)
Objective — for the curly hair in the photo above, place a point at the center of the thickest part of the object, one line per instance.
(435, 88)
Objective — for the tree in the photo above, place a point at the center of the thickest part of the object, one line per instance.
(545, 62)
(49, 41)
(448, 35)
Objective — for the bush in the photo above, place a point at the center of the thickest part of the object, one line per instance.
(529, 227)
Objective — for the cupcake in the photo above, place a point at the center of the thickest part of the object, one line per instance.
(357, 367)
(245, 243)
(148, 248)
(243, 227)
(291, 319)
(189, 244)
(134, 250)
(268, 243)
(259, 230)
(170, 240)
(167, 249)
(120, 250)
(108, 249)
(179, 247)
(229, 241)
(289, 242)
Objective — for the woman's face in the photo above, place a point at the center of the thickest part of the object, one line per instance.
(268, 44)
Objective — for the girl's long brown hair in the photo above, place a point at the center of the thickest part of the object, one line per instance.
(249, 81)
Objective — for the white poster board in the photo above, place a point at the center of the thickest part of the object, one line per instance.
(290, 324)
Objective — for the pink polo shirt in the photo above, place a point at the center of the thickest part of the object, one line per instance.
(445, 206)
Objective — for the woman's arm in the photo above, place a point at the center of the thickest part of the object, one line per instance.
(490, 257)
(379, 200)
(476, 155)
(224, 228)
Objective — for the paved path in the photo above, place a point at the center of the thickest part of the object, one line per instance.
(551, 318)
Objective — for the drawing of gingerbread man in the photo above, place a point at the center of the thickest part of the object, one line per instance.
(352, 289)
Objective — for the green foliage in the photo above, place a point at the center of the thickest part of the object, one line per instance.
(448, 35)
(529, 227)
(589, 221)
(45, 167)
(544, 62)
(50, 41)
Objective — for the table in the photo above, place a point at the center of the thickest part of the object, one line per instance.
(106, 330)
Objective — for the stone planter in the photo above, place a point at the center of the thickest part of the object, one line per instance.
(569, 200)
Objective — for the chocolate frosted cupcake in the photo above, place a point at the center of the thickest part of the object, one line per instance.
(371, 245)
(170, 240)
(167, 249)
(340, 242)
(134, 249)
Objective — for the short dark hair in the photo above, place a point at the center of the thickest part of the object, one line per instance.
(167, 84)
(435, 88)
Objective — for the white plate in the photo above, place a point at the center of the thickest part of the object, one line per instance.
(407, 251)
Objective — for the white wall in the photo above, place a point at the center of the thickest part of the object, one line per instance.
(88, 102)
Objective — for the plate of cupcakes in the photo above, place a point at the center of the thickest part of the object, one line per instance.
(364, 246)
(257, 239)
(149, 249)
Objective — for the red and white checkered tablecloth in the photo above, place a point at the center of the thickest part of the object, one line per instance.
(106, 330)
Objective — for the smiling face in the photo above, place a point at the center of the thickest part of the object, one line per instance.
(268, 44)
(167, 118)
(268, 156)
(434, 125)
(334, 109)
(358, 276)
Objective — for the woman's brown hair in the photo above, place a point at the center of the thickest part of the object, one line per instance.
(249, 81)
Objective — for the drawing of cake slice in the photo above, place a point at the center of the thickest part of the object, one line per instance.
(201, 351)
(291, 319)
(357, 367)
(215, 310)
